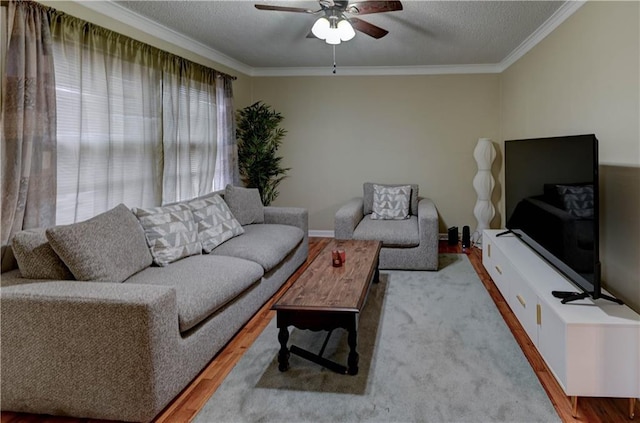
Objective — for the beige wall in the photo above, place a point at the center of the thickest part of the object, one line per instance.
(346, 130)
(585, 78)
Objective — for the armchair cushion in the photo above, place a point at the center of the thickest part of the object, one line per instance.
(392, 233)
(390, 203)
(368, 197)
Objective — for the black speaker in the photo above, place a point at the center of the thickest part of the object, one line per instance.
(453, 235)
(466, 237)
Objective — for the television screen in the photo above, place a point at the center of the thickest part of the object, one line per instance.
(551, 203)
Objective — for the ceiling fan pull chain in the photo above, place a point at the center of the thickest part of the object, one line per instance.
(334, 59)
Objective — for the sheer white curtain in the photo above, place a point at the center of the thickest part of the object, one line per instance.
(109, 124)
(136, 125)
(190, 130)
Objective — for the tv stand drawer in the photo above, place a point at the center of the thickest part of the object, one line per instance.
(498, 267)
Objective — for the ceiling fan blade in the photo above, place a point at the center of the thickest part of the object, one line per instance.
(283, 8)
(368, 28)
(368, 7)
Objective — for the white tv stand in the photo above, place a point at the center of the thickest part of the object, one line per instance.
(591, 347)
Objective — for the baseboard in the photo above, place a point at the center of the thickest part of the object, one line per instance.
(321, 234)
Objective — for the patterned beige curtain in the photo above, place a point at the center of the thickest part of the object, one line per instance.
(227, 158)
(28, 122)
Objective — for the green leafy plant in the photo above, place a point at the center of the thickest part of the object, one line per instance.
(259, 137)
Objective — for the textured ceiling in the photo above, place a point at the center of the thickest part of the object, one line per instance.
(424, 33)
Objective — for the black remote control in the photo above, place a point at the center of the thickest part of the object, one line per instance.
(564, 294)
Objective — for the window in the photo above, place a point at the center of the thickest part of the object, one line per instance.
(135, 125)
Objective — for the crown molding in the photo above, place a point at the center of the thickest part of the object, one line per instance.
(554, 21)
(113, 10)
(128, 17)
(377, 70)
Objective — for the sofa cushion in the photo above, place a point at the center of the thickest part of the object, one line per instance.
(203, 284)
(392, 233)
(170, 231)
(109, 247)
(36, 259)
(215, 222)
(367, 199)
(245, 204)
(390, 203)
(266, 244)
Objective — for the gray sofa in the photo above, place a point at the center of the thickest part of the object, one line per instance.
(123, 350)
(409, 244)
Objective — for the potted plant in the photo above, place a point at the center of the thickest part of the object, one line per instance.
(259, 137)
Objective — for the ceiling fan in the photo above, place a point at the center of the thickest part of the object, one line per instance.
(334, 25)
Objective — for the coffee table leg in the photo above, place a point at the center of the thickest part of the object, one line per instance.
(353, 358)
(283, 355)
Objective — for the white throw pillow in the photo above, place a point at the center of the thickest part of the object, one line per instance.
(215, 222)
(391, 203)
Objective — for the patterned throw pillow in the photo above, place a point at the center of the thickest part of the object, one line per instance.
(170, 231)
(578, 200)
(215, 222)
(367, 197)
(390, 203)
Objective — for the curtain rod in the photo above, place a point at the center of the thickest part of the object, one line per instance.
(233, 78)
(5, 3)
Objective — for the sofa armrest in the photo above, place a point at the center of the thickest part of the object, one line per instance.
(78, 346)
(292, 216)
(347, 218)
(428, 222)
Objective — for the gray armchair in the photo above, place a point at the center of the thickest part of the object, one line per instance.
(410, 244)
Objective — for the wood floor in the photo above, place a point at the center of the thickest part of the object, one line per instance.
(190, 401)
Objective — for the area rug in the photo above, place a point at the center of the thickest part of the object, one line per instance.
(433, 348)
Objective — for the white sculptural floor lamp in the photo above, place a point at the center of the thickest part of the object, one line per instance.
(483, 183)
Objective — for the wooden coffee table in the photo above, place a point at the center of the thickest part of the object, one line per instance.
(326, 298)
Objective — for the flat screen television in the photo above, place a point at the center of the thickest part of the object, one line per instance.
(552, 205)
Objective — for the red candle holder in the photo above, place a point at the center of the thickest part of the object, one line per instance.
(336, 260)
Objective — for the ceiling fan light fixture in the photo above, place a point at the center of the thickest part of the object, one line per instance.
(333, 37)
(321, 28)
(346, 30)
